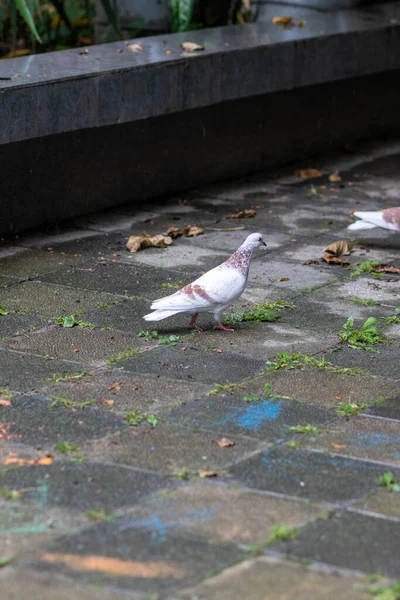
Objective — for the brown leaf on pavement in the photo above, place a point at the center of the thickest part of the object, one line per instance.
(247, 213)
(105, 402)
(5, 402)
(334, 177)
(204, 474)
(382, 268)
(308, 173)
(135, 47)
(191, 47)
(140, 242)
(334, 260)
(339, 248)
(225, 443)
(192, 231)
(174, 232)
(282, 21)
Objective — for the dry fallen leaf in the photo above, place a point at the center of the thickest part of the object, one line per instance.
(338, 446)
(339, 248)
(301, 23)
(135, 47)
(5, 402)
(382, 268)
(84, 51)
(283, 21)
(225, 443)
(311, 262)
(308, 173)
(105, 402)
(334, 260)
(204, 474)
(191, 47)
(115, 386)
(140, 242)
(242, 214)
(192, 231)
(335, 176)
(284, 279)
(174, 232)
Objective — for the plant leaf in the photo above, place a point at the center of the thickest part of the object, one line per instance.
(28, 18)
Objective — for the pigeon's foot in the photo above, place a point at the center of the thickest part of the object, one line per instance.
(223, 328)
(192, 322)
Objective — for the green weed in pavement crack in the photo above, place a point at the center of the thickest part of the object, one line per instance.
(364, 338)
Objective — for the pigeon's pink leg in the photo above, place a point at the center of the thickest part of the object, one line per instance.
(220, 326)
(192, 322)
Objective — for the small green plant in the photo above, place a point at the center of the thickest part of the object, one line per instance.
(387, 480)
(394, 318)
(228, 388)
(182, 474)
(72, 321)
(250, 398)
(169, 339)
(283, 533)
(363, 338)
(100, 515)
(148, 335)
(284, 360)
(57, 377)
(123, 355)
(6, 561)
(103, 306)
(6, 394)
(172, 286)
(306, 429)
(362, 301)
(3, 311)
(267, 312)
(66, 447)
(292, 444)
(267, 390)
(366, 267)
(387, 592)
(67, 403)
(313, 191)
(10, 494)
(349, 409)
(136, 417)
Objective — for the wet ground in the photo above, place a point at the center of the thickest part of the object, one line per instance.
(181, 465)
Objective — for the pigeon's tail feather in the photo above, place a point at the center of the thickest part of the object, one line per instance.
(159, 315)
(371, 217)
(361, 225)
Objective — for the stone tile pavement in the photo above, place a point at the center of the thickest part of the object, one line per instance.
(208, 465)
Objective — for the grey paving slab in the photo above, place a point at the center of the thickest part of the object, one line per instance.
(267, 579)
(169, 449)
(51, 301)
(224, 513)
(93, 346)
(142, 559)
(122, 279)
(83, 487)
(13, 324)
(266, 418)
(350, 540)
(32, 263)
(323, 388)
(191, 362)
(24, 372)
(33, 419)
(383, 501)
(308, 474)
(362, 437)
(389, 409)
(384, 363)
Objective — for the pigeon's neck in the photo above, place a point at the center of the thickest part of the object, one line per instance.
(240, 260)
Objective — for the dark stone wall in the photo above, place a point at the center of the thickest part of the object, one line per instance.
(52, 178)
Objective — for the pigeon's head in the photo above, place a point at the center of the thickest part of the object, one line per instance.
(254, 241)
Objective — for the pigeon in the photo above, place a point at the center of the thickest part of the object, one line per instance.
(212, 292)
(388, 219)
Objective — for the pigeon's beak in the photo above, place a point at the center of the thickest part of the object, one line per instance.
(262, 241)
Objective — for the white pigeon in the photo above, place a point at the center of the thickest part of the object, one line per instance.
(388, 219)
(212, 292)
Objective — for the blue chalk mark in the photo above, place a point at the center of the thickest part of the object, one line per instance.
(253, 416)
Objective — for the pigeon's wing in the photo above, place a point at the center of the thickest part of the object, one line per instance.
(220, 286)
(388, 219)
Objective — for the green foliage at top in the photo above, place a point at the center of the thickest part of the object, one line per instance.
(182, 14)
(363, 338)
(267, 312)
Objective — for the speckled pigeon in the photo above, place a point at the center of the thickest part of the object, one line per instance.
(388, 219)
(212, 292)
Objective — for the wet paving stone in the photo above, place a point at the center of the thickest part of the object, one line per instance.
(384, 502)
(142, 559)
(191, 362)
(308, 474)
(350, 540)
(32, 263)
(51, 301)
(361, 437)
(93, 346)
(24, 372)
(265, 418)
(300, 278)
(224, 513)
(389, 409)
(44, 421)
(268, 579)
(13, 324)
(115, 278)
(385, 363)
(175, 451)
(83, 486)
